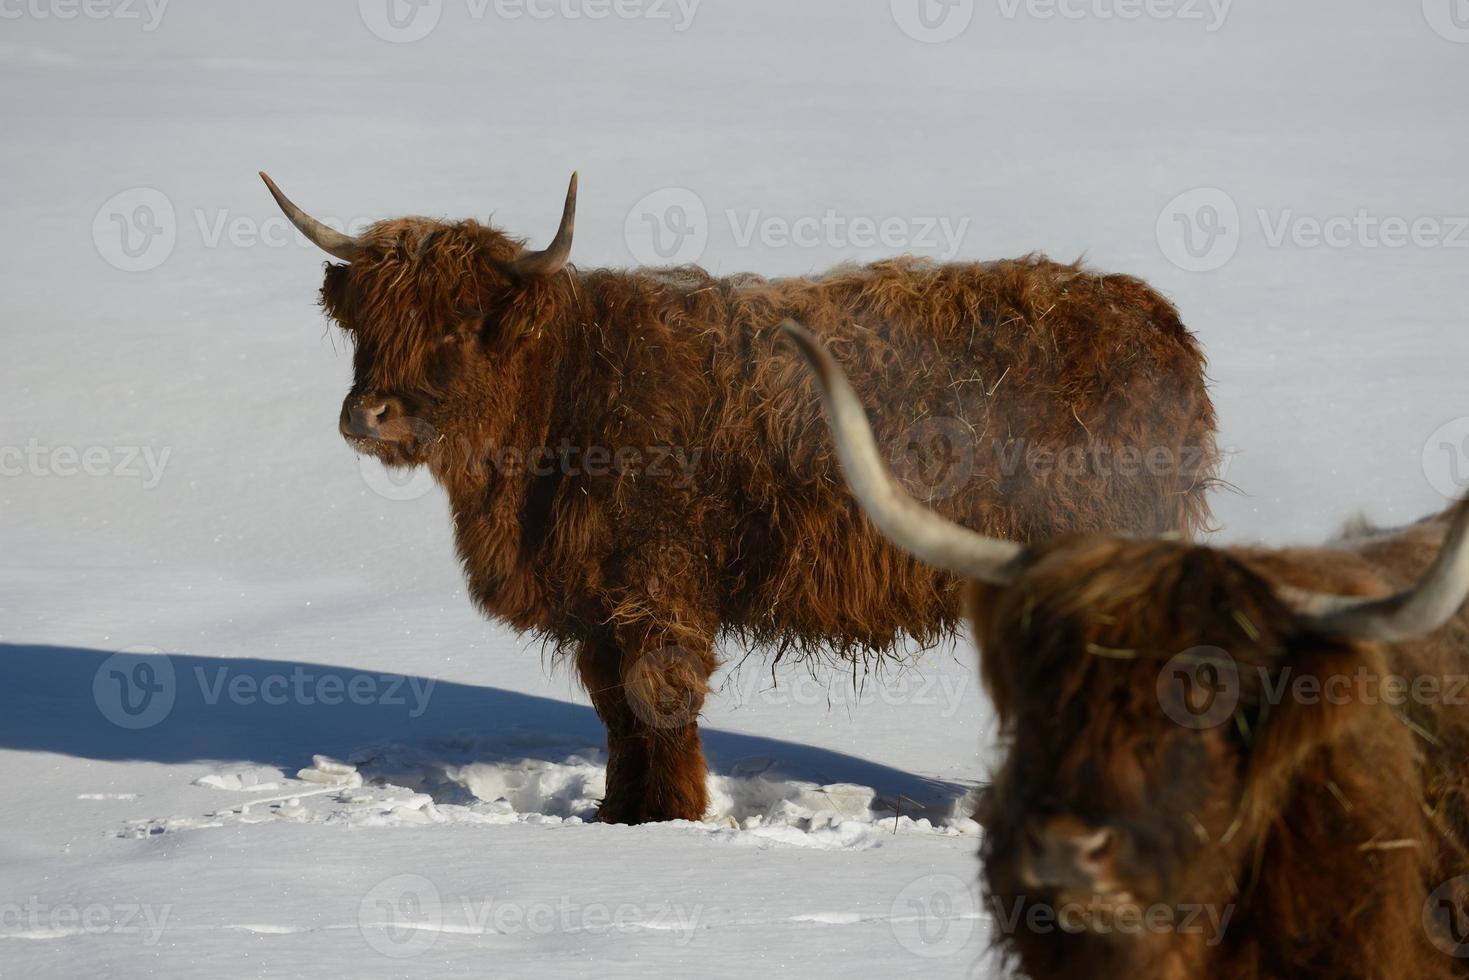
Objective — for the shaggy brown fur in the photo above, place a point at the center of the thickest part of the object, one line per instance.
(1319, 825)
(747, 528)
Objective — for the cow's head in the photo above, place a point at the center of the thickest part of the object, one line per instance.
(1146, 747)
(425, 303)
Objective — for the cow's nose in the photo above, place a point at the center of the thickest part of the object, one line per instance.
(1067, 854)
(366, 415)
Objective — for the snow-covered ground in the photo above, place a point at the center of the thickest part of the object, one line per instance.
(249, 725)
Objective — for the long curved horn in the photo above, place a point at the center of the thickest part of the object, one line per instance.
(555, 256)
(1419, 610)
(909, 524)
(329, 240)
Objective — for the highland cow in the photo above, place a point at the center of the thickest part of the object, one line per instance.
(637, 466)
(1218, 764)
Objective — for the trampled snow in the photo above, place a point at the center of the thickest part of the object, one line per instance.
(340, 768)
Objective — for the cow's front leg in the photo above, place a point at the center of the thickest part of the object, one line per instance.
(649, 695)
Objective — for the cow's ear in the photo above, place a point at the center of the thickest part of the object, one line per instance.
(334, 293)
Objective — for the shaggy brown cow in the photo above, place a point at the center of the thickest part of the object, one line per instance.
(636, 462)
(1220, 763)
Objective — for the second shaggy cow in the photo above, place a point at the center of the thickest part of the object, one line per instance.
(1217, 764)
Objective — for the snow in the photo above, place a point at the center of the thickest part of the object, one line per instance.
(343, 769)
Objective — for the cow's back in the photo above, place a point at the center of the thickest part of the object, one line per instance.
(1021, 398)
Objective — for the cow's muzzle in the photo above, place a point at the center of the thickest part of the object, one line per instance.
(1067, 856)
(374, 417)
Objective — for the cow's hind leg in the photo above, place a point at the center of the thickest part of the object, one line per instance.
(649, 696)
